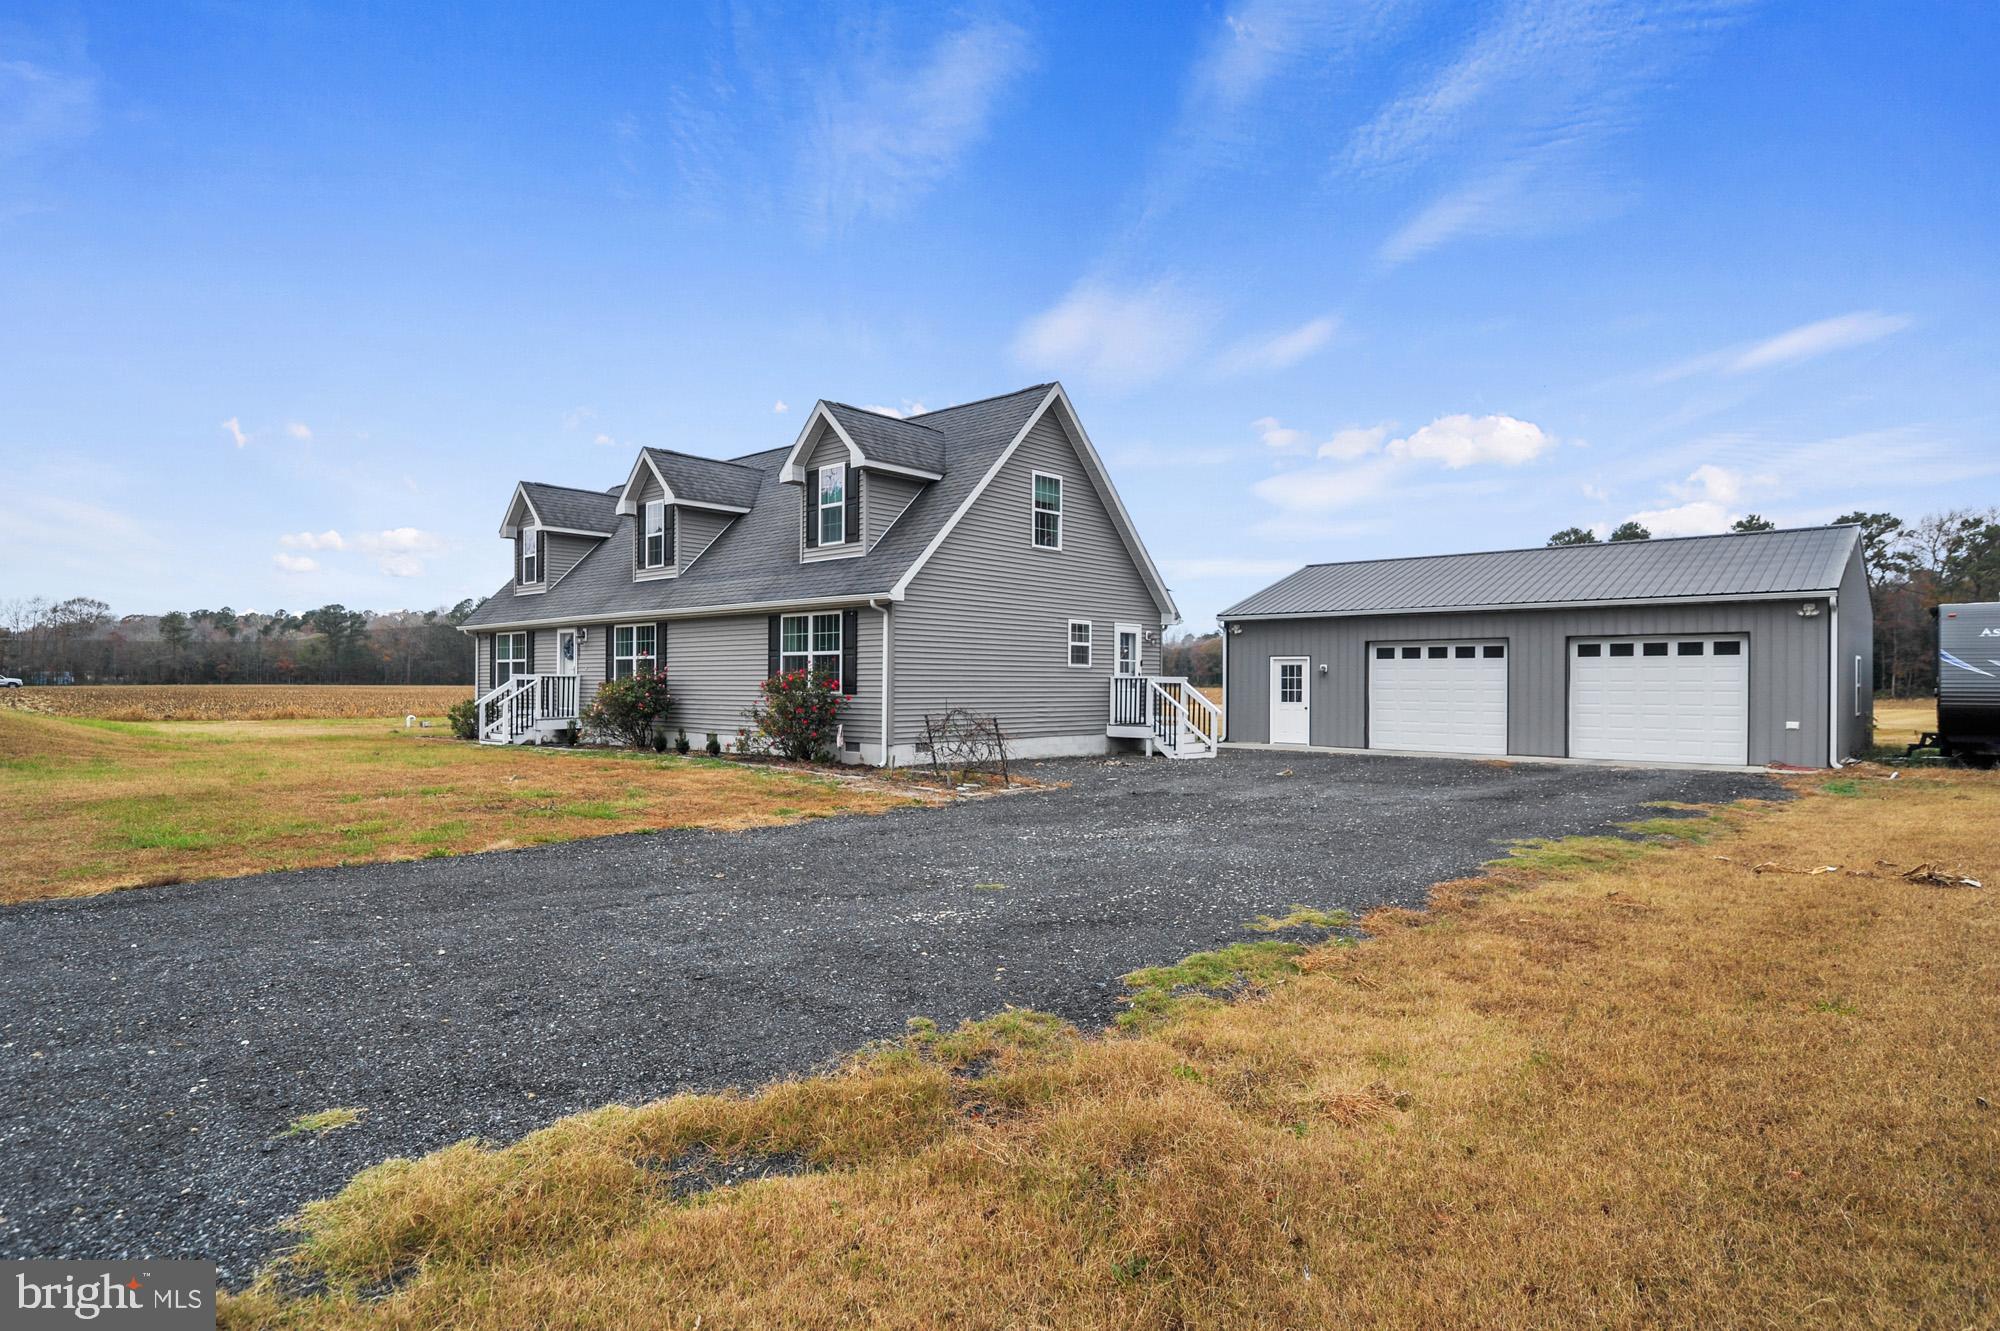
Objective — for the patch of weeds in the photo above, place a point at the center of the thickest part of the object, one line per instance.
(1837, 1005)
(1189, 1072)
(1128, 1269)
(322, 1121)
(1696, 831)
(989, 887)
(537, 793)
(442, 834)
(1301, 917)
(1560, 854)
(604, 810)
(1159, 993)
(1845, 787)
(162, 836)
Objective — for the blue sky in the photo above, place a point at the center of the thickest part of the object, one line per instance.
(290, 295)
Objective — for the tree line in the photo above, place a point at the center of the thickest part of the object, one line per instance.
(81, 641)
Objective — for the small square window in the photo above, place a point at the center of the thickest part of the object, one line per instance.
(1493, 651)
(1465, 652)
(1589, 649)
(1656, 649)
(1729, 647)
(1687, 649)
(1412, 653)
(1621, 649)
(1439, 653)
(1385, 653)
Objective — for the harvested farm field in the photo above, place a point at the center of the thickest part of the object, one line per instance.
(234, 702)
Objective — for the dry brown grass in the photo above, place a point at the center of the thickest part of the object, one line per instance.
(235, 702)
(1212, 692)
(1622, 1088)
(1900, 721)
(97, 805)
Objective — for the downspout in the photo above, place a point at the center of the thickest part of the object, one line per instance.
(887, 697)
(1224, 736)
(1833, 679)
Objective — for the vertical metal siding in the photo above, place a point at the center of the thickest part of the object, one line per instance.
(1788, 669)
(1857, 638)
(985, 624)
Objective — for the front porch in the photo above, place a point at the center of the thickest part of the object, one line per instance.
(528, 709)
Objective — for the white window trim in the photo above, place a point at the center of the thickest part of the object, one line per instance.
(530, 541)
(646, 533)
(517, 665)
(611, 648)
(1089, 645)
(812, 653)
(1034, 478)
(821, 507)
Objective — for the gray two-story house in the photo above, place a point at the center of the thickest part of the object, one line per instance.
(974, 557)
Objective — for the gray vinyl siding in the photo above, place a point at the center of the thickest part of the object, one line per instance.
(714, 668)
(590, 662)
(1788, 669)
(694, 529)
(826, 449)
(986, 621)
(1857, 638)
(883, 499)
(482, 663)
(565, 553)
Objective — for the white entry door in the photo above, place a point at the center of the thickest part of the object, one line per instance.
(1128, 650)
(1291, 710)
(1681, 699)
(565, 651)
(1438, 697)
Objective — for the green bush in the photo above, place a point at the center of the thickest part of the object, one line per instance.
(798, 713)
(627, 709)
(464, 718)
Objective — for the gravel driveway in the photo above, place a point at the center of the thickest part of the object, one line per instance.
(153, 1042)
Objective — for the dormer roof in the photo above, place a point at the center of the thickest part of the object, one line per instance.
(690, 481)
(560, 508)
(905, 446)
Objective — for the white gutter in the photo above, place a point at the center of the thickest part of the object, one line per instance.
(1224, 736)
(1510, 607)
(692, 612)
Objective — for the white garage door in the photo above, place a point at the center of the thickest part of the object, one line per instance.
(1662, 700)
(1439, 697)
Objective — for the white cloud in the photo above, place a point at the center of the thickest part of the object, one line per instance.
(1280, 350)
(1317, 490)
(1121, 338)
(1699, 517)
(398, 551)
(300, 431)
(236, 434)
(1277, 437)
(1356, 442)
(1200, 570)
(1817, 339)
(295, 563)
(578, 417)
(779, 408)
(908, 409)
(305, 540)
(605, 440)
(1464, 441)
(1709, 481)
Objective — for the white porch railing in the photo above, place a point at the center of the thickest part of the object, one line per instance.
(526, 708)
(1174, 713)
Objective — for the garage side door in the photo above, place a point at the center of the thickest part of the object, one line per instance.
(1664, 700)
(1438, 697)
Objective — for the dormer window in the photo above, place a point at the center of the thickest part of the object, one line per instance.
(656, 533)
(531, 555)
(833, 504)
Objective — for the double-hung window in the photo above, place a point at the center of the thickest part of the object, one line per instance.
(833, 504)
(634, 650)
(510, 656)
(1079, 643)
(531, 556)
(656, 533)
(811, 642)
(1048, 511)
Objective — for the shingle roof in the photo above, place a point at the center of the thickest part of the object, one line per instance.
(698, 480)
(1802, 560)
(756, 559)
(892, 440)
(577, 510)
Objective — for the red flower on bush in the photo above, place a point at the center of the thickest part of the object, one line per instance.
(798, 711)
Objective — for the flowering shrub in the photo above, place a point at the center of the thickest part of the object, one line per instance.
(627, 709)
(798, 712)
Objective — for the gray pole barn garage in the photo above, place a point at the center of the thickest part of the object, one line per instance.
(1736, 650)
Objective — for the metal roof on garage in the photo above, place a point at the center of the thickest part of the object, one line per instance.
(1737, 565)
